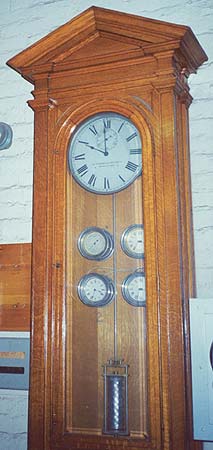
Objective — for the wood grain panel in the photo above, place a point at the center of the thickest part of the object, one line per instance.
(15, 287)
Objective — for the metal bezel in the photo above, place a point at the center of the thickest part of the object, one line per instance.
(109, 244)
(125, 288)
(110, 290)
(124, 238)
(72, 142)
(6, 136)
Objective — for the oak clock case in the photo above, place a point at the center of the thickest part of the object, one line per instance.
(105, 171)
(113, 261)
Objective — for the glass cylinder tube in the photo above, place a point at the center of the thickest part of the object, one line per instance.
(116, 398)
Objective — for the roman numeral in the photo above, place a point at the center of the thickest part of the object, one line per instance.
(82, 170)
(131, 166)
(93, 130)
(106, 183)
(79, 157)
(92, 180)
(135, 151)
(132, 136)
(122, 179)
(107, 123)
(119, 129)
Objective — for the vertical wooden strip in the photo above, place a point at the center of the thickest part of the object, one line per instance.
(171, 295)
(188, 263)
(39, 286)
(188, 199)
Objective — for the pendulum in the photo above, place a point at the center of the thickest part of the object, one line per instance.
(115, 375)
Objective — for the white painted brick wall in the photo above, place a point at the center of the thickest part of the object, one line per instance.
(13, 421)
(22, 23)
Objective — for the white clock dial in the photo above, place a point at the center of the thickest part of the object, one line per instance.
(95, 243)
(134, 290)
(132, 241)
(95, 289)
(105, 153)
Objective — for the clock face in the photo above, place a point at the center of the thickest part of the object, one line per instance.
(95, 243)
(105, 153)
(95, 289)
(133, 289)
(132, 241)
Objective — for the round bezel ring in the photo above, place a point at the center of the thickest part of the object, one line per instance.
(108, 248)
(108, 297)
(125, 289)
(124, 241)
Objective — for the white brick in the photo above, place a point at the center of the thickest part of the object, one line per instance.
(203, 248)
(202, 164)
(13, 424)
(202, 109)
(17, 114)
(12, 231)
(205, 290)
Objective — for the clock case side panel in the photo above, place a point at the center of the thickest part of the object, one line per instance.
(187, 232)
(176, 268)
(58, 399)
(39, 412)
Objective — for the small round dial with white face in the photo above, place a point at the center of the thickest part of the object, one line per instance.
(95, 289)
(95, 243)
(132, 241)
(134, 289)
(105, 153)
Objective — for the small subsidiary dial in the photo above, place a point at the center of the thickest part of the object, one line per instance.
(95, 243)
(95, 289)
(132, 241)
(134, 290)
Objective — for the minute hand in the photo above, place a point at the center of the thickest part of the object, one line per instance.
(95, 148)
(105, 139)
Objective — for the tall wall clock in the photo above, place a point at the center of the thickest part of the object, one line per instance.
(112, 234)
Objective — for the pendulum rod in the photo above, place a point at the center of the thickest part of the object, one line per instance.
(115, 277)
(115, 372)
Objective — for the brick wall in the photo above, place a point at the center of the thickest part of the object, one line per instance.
(23, 22)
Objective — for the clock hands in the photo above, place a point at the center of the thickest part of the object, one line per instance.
(105, 139)
(99, 291)
(105, 153)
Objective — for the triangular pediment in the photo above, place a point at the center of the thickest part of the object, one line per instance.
(100, 35)
(98, 46)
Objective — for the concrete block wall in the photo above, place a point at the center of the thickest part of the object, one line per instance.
(22, 23)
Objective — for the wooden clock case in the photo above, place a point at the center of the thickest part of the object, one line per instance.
(104, 60)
